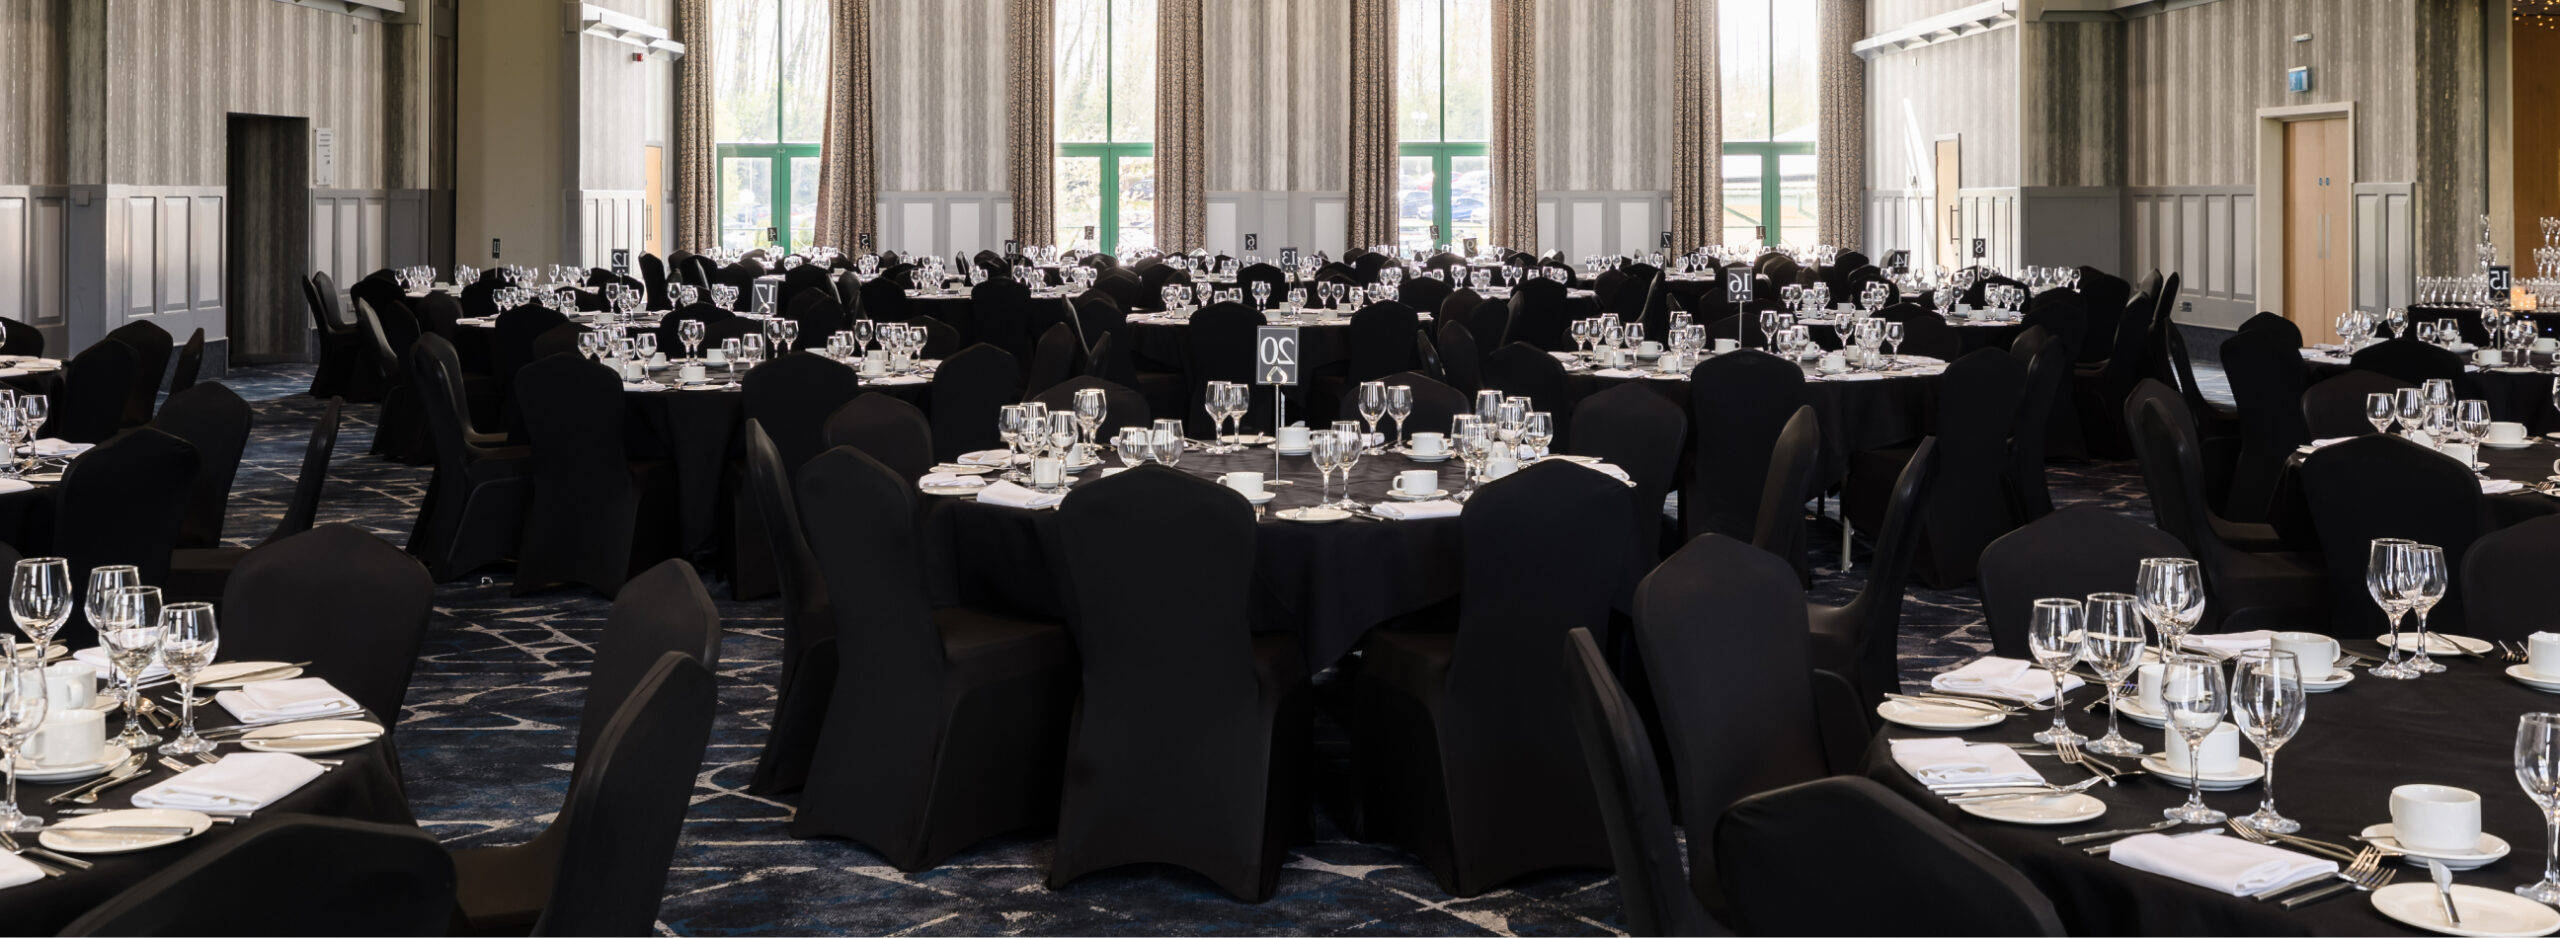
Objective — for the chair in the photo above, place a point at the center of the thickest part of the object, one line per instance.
(642, 727)
(345, 369)
(808, 672)
(2408, 360)
(1739, 403)
(2105, 296)
(348, 876)
(671, 327)
(653, 278)
(940, 338)
(1977, 406)
(884, 299)
(1722, 629)
(1458, 356)
(1191, 736)
(2098, 391)
(1000, 315)
(2267, 378)
(190, 363)
(1792, 836)
(1632, 427)
(1465, 750)
(583, 522)
(884, 428)
(1055, 361)
(1651, 889)
(2244, 565)
(215, 422)
(1541, 314)
(2380, 485)
(122, 503)
(2335, 407)
(2506, 579)
(151, 360)
(1489, 323)
(2070, 554)
(200, 574)
(1221, 349)
(90, 406)
(1423, 293)
(347, 601)
(966, 392)
(1861, 641)
(1524, 370)
(819, 316)
(474, 505)
(1380, 341)
(945, 725)
(2048, 378)
(511, 348)
(1264, 273)
(2282, 330)
(793, 395)
(1793, 460)
(1122, 407)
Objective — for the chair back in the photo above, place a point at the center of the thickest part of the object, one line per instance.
(627, 806)
(381, 879)
(2069, 554)
(2408, 360)
(2282, 330)
(2506, 580)
(890, 430)
(578, 525)
(1793, 462)
(966, 392)
(1380, 340)
(1161, 564)
(122, 502)
(1222, 343)
(1541, 313)
(352, 604)
(1459, 358)
(860, 519)
(305, 506)
(190, 363)
(1000, 315)
(792, 396)
(90, 406)
(1877, 611)
(2379, 485)
(215, 422)
(151, 345)
(1525, 370)
(1977, 404)
(1792, 836)
(1739, 403)
(1055, 361)
(1636, 429)
(1619, 756)
(2335, 407)
(2267, 382)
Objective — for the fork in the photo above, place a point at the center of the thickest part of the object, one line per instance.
(11, 844)
(2024, 791)
(2069, 749)
(2365, 863)
(2256, 836)
(2372, 879)
(2512, 655)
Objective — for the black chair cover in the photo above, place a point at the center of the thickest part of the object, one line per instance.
(1793, 460)
(2335, 407)
(151, 346)
(940, 338)
(1055, 360)
(2408, 360)
(808, 626)
(1222, 338)
(2505, 580)
(348, 602)
(1000, 315)
(966, 392)
(1977, 406)
(2267, 378)
(1642, 432)
(216, 423)
(2243, 566)
(2380, 485)
(1792, 837)
(2098, 392)
(348, 876)
(2282, 330)
(1191, 736)
(884, 299)
(21, 339)
(819, 316)
(2048, 379)
(1423, 293)
(886, 429)
(1522, 369)
(190, 363)
(122, 502)
(1381, 342)
(626, 807)
(511, 348)
(90, 407)
(1458, 355)
(1861, 641)
(671, 328)
(305, 505)
(653, 277)
(1541, 315)
(2068, 554)
(792, 396)
(2104, 295)
(475, 500)
(1651, 890)
(581, 522)
(1739, 402)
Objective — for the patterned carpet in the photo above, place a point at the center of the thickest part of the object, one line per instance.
(491, 720)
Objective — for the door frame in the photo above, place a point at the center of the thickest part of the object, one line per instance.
(2270, 194)
(1943, 228)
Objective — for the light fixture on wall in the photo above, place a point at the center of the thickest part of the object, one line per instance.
(597, 21)
(2542, 13)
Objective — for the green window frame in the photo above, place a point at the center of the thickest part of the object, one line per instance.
(1773, 194)
(779, 156)
(1111, 152)
(1441, 154)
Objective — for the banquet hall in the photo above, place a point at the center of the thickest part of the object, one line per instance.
(843, 467)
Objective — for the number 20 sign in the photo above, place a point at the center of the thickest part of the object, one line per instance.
(1275, 355)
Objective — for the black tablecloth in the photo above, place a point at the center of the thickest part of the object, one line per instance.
(2290, 512)
(1854, 415)
(2514, 393)
(365, 788)
(2356, 744)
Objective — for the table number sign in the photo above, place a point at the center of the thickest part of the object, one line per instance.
(1981, 248)
(1288, 258)
(2502, 279)
(1737, 287)
(764, 298)
(1252, 241)
(622, 262)
(1666, 240)
(1471, 247)
(1760, 233)
(1275, 355)
(1898, 261)
(1088, 232)
(1012, 247)
(864, 240)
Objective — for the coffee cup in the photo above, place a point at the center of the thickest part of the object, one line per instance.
(1418, 482)
(715, 356)
(657, 358)
(1248, 484)
(72, 737)
(1428, 444)
(2220, 750)
(2463, 453)
(70, 685)
(2542, 652)
(1833, 363)
(2546, 345)
(2505, 431)
(2436, 817)
(635, 372)
(1726, 345)
(1649, 347)
(2146, 689)
(1291, 437)
(1502, 464)
(693, 372)
(2315, 653)
(2490, 356)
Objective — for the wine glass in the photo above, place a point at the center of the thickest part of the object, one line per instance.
(1324, 448)
(1467, 432)
(40, 599)
(2379, 409)
(2411, 408)
(2267, 701)
(1091, 406)
(729, 349)
(22, 707)
(1133, 445)
(1373, 406)
(1261, 294)
(2054, 635)
(1009, 429)
(2192, 688)
(33, 408)
(2387, 580)
(130, 632)
(2170, 593)
(1166, 435)
(1348, 435)
(1213, 400)
(188, 641)
(1893, 336)
(1399, 406)
(2114, 649)
(104, 580)
(1537, 429)
(2471, 419)
(2425, 568)
(2538, 771)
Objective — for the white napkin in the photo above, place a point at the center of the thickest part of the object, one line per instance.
(53, 447)
(240, 783)
(17, 872)
(2499, 486)
(1602, 468)
(1618, 373)
(948, 480)
(2231, 644)
(13, 372)
(643, 386)
(11, 486)
(97, 658)
(2224, 864)
(1015, 496)
(295, 697)
(1416, 511)
(1856, 376)
(987, 457)
(1564, 356)
(2007, 678)
(1937, 761)
(2329, 441)
(895, 380)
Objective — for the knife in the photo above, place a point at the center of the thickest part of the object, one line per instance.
(130, 765)
(2444, 889)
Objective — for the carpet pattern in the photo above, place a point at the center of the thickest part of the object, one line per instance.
(491, 718)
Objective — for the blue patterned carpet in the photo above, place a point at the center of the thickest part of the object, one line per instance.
(491, 719)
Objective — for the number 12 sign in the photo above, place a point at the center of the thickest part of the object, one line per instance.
(1275, 355)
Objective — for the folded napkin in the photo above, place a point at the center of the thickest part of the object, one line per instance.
(239, 784)
(948, 480)
(1601, 468)
(2231, 644)
(987, 457)
(10, 486)
(53, 447)
(1618, 373)
(97, 658)
(1416, 511)
(895, 380)
(643, 386)
(1939, 761)
(2329, 441)
(1564, 356)
(2499, 486)
(17, 872)
(297, 697)
(2228, 865)
(2007, 678)
(1856, 376)
(1015, 496)
(14, 372)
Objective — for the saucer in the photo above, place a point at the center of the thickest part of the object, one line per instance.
(56, 838)
(2132, 709)
(2250, 771)
(227, 674)
(1408, 453)
(111, 754)
(1313, 515)
(2443, 644)
(2519, 444)
(954, 491)
(1402, 496)
(2057, 809)
(298, 737)
(2523, 673)
(2485, 912)
(2335, 680)
(2487, 851)
(1923, 716)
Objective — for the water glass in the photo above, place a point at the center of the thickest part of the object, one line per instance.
(2192, 688)
(22, 709)
(40, 599)
(188, 641)
(2054, 637)
(2538, 771)
(2114, 649)
(130, 633)
(2267, 701)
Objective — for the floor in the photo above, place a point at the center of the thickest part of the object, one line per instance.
(491, 718)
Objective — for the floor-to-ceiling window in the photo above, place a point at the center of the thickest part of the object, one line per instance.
(768, 111)
(1106, 124)
(1772, 106)
(1444, 83)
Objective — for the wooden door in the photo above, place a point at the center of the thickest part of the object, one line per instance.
(2319, 224)
(1950, 217)
(653, 160)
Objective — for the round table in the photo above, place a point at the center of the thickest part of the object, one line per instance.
(2356, 743)
(2520, 393)
(1856, 412)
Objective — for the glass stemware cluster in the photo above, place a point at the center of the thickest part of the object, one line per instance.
(2404, 576)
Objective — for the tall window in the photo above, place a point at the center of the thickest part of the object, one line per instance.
(1106, 124)
(1772, 104)
(1444, 87)
(768, 111)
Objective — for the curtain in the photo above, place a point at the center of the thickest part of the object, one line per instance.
(1513, 151)
(1697, 128)
(1182, 139)
(1031, 147)
(697, 194)
(1372, 204)
(848, 188)
(1841, 142)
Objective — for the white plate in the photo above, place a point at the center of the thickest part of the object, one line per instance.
(2519, 444)
(1264, 498)
(272, 738)
(1314, 515)
(2133, 709)
(2494, 913)
(2056, 809)
(222, 675)
(956, 469)
(2248, 774)
(2446, 645)
(54, 839)
(2489, 850)
(1922, 716)
(54, 651)
(1400, 495)
(2336, 679)
(2523, 673)
(108, 756)
(1293, 452)
(1408, 453)
(954, 491)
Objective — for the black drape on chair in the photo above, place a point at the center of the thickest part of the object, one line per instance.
(1977, 405)
(1222, 350)
(2385, 486)
(1969, 890)
(967, 390)
(582, 524)
(122, 502)
(1628, 780)
(2267, 380)
(2071, 554)
(347, 601)
(1738, 403)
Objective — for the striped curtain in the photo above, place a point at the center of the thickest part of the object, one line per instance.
(1513, 151)
(697, 195)
(848, 187)
(1182, 136)
(1030, 141)
(1697, 128)
(1371, 206)
(1840, 184)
